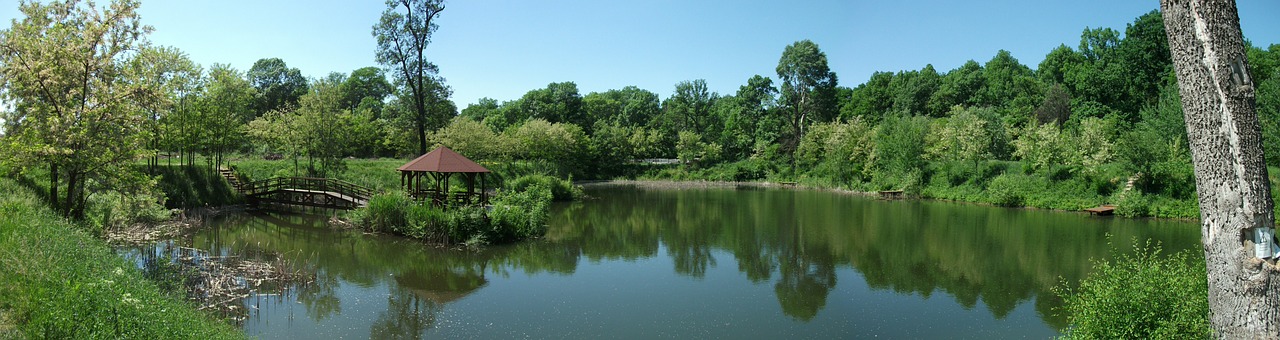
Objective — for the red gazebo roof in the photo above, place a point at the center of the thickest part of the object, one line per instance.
(442, 159)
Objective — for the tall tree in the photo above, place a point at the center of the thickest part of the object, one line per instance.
(629, 107)
(175, 78)
(808, 88)
(227, 103)
(403, 34)
(872, 99)
(367, 87)
(64, 67)
(278, 85)
(557, 103)
(1237, 221)
(689, 108)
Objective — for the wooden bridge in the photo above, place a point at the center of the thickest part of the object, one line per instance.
(302, 191)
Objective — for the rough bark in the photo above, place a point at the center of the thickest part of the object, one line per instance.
(1231, 175)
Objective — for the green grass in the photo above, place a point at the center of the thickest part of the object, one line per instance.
(57, 281)
(194, 187)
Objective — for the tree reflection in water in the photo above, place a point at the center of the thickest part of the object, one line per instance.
(796, 241)
(1000, 257)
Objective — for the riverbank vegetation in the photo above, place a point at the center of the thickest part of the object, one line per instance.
(59, 281)
(513, 215)
(1099, 123)
(1140, 295)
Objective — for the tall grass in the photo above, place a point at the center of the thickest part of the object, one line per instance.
(194, 187)
(513, 216)
(57, 281)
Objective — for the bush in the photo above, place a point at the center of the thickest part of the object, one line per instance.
(561, 190)
(1009, 190)
(1140, 296)
(516, 215)
(521, 214)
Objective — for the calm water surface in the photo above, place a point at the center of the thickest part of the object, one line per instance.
(637, 263)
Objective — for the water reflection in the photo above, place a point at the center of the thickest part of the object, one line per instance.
(1002, 257)
(806, 246)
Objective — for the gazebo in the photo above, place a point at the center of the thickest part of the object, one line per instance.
(438, 166)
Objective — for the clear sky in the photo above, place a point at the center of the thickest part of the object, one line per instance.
(504, 48)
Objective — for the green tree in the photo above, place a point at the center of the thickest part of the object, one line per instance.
(689, 109)
(63, 66)
(1042, 146)
(1056, 107)
(628, 107)
(557, 103)
(694, 152)
(403, 33)
(808, 89)
(962, 136)
(481, 109)
(913, 90)
(900, 140)
(472, 138)
(1264, 64)
(169, 71)
(278, 85)
(759, 102)
(367, 87)
(227, 104)
(1055, 66)
(872, 100)
(561, 147)
(1144, 56)
(1008, 83)
(1269, 116)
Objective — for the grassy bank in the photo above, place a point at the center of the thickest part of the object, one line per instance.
(1000, 183)
(57, 281)
(194, 187)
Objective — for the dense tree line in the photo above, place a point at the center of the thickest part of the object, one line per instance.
(1105, 112)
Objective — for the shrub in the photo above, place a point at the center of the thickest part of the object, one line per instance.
(1007, 190)
(561, 190)
(1140, 296)
(521, 214)
(516, 215)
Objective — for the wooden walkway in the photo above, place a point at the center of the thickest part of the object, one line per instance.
(301, 191)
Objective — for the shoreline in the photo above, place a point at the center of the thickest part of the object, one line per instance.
(703, 184)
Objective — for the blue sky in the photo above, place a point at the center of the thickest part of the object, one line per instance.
(504, 48)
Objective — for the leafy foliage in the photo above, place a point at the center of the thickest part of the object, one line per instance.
(1143, 295)
(515, 215)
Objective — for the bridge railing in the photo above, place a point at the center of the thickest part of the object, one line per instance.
(309, 183)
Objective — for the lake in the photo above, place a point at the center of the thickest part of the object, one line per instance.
(714, 262)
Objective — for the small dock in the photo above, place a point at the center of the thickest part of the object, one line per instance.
(1102, 210)
(890, 194)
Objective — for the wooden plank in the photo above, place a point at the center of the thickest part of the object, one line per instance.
(1102, 210)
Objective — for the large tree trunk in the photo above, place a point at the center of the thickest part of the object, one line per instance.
(1231, 176)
